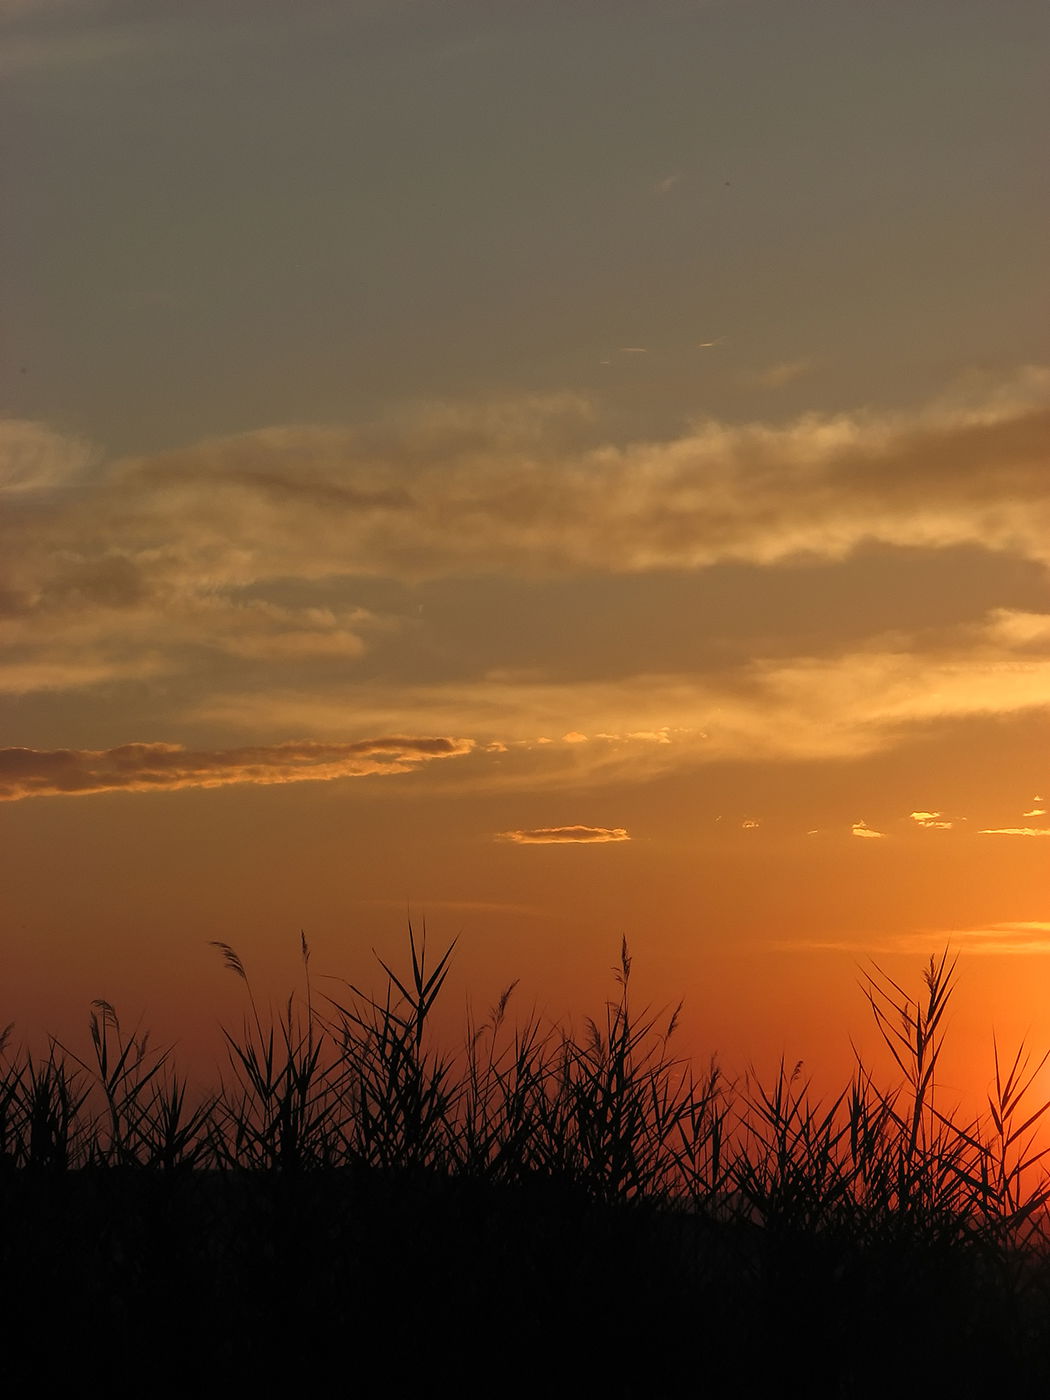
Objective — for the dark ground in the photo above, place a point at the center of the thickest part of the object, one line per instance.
(190, 1284)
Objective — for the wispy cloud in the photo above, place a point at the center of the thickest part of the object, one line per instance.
(164, 767)
(35, 458)
(51, 53)
(785, 372)
(932, 820)
(1014, 831)
(558, 835)
(1024, 937)
(17, 9)
(864, 830)
(1031, 938)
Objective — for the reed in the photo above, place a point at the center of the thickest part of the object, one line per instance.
(341, 1137)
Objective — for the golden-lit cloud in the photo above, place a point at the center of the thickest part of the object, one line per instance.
(101, 622)
(529, 487)
(797, 709)
(1021, 937)
(1014, 831)
(934, 821)
(864, 830)
(1010, 937)
(558, 835)
(164, 767)
(205, 564)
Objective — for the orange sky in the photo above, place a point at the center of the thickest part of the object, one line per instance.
(560, 471)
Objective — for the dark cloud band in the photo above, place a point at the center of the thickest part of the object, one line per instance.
(163, 767)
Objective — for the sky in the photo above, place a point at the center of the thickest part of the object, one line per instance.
(555, 471)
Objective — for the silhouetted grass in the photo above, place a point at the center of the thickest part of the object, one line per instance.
(539, 1209)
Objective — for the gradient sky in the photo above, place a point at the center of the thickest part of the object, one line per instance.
(563, 469)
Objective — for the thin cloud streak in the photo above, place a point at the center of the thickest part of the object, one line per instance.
(1010, 938)
(778, 375)
(560, 835)
(168, 767)
(1014, 831)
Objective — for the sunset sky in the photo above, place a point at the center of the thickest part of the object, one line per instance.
(561, 469)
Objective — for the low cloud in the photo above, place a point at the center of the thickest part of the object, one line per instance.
(932, 820)
(997, 939)
(864, 830)
(165, 767)
(1014, 831)
(558, 835)
(1024, 937)
(857, 703)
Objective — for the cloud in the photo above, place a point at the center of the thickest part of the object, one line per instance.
(932, 820)
(557, 835)
(520, 492)
(163, 561)
(33, 458)
(998, 939)
(1009, 937)
(166, 767)
(102, 621)
(667, 184)
(864, 830)
(844, 706)
(786, 372)
(51, 52)
(15, 9)
(59, 671)
(1014, 831)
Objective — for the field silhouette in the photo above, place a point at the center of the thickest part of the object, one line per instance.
(577, 1213)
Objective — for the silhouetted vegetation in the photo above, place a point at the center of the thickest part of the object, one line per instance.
(586, 1214)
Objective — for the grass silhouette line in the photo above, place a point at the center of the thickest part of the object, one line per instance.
(344, 1151)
